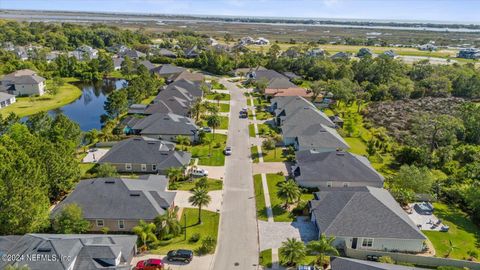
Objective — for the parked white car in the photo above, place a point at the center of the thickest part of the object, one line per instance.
(199, 172)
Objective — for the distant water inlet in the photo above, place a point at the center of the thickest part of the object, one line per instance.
(88, 108)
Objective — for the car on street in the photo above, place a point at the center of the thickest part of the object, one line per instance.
(199, 172)
(244, 113)
(183, 255)
(150, 264)
(227, 151)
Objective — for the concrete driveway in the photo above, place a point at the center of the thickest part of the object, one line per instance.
(198, 263)
(215, 172)
(271, 167)
(94, 155)
(272, 234)
(181, 200)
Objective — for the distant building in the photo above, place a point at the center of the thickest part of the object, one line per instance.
(51, 56)
(317, 52)
(84, 53)
(390, 54)
(84, 251)
(6, 99)
(23, 82)
(364, 52)
(341, 55)
(132, 54)
(165, 53)
(117, 63)
(469, 53)
(262, 41)
(211, 41)
(166, 126)
(427, 47)
(343, 263)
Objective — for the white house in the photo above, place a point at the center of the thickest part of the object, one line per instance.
(6, 99)
(23, 82)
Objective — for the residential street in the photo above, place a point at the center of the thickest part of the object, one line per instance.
(238, 236)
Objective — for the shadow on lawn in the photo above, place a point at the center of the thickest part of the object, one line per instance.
(460, 219)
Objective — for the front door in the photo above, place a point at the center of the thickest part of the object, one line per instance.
(354, 243)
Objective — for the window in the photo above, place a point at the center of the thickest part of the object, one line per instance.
(121, 224)
(367, 242)
(154, 167)
(345, 184)
(99, 222)
(144, 167)
(128, 166)
(329, 184)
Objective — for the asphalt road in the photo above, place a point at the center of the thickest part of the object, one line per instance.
(238, 235)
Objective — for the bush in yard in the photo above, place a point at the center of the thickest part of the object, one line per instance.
(194, 238)
(386, 259)
(106, 170)
(70, 220)
(202, 183)
(208, 245)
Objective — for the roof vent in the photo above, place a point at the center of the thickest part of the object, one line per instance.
(151, 142)
(340, 153)
(134, 194)
(44, 249)
(166, 118)
(137, 139)
(109, 182)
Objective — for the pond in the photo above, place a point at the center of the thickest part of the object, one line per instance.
(88, 108)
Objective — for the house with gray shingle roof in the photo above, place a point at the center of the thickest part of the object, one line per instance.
(6, 99)
(313, 136)
(78, 251)
(23, 82)
(145, 155)
(132, 54)
(334, 169)
(167, 71)
(342, 263)
(120, 203)
(166, 53)
(366, 218)
(297, 109)
(166, 126)
(176, 98)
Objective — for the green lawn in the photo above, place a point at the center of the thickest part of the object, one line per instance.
(254, 153)
(223, 122)
(249, 102)
(213, 184)
(201, 151)
(25, 106)
(85, 169)
(251, 130)
(266, 130)
(116, 74)
(222, 107)
(259, 198)
(277, 155)
(250, 115)
(262, 115)
(148, 100)
(265, 258)
(209, 227)
(211, 96)
(357, 146)
(279, 213)
(463, 234)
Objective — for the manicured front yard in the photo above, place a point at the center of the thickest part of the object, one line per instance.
(259, 197)
(261, 115)
(25, 106)
(279, 213)
(463, 234)
(251, 130)
(277, 155)
(222, 107)
(201, 151)
(212, 95)
(265, 258)
(254, 153)
(209, 227)
(223, 122)
(213, 184)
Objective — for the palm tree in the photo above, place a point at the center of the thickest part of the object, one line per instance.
(218, 97)
(321, 247)
(183, 140)
(213, 121)
(168, 224)
(269, 145)
(200, 198)
(212, 108)
(146, 232)
(208, 141)
(289, 192)
(292, 252)
(174, 173)
(197, 109)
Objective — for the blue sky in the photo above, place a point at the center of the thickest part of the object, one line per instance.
(436, 10)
